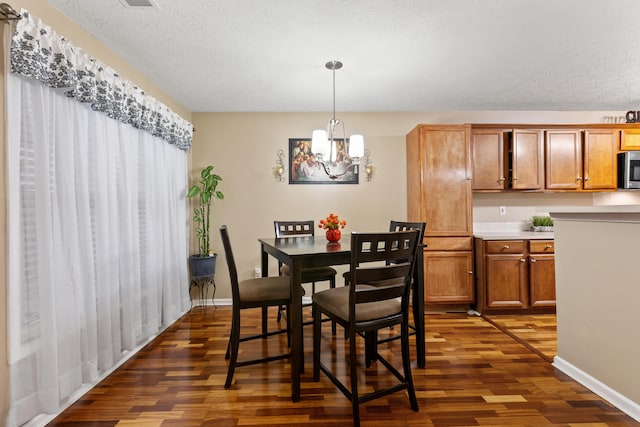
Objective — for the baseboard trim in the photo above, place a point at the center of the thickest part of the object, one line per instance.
(618, 400)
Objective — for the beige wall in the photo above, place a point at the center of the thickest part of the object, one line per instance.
(598, 292)
(242, 147)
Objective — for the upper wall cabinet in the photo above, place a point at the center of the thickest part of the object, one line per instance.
(600, 159)
(630, 140)
(578, 160)
(507, 159)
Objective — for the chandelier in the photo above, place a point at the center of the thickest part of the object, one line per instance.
(328, 145)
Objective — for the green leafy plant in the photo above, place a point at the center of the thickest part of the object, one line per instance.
(542, 221)
(207, 190)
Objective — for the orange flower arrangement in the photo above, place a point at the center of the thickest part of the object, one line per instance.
(332, 222)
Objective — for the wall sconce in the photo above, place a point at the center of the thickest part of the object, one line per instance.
(366, 166)
(279, 169)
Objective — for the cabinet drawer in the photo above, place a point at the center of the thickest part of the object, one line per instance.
(448, 243)
(504, 246)
(541, 246)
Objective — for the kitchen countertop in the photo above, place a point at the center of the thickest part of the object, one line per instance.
(607, 213)
(514, 235)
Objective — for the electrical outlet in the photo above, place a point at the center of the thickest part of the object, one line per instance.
(503, 210)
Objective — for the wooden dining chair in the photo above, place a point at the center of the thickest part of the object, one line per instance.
(416, 305)
(378, 297)
(251, 293)
(309, 275)
(421, 227)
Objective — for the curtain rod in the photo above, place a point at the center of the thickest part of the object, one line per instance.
(7, 13)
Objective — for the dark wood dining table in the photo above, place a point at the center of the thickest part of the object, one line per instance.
(305, 252)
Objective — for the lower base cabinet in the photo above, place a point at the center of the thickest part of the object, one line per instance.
(515, 276)
(448, 277)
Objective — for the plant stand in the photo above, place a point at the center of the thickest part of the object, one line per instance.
(202, 283)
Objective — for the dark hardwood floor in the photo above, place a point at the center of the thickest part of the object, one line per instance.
(537, 332)
(476, 375)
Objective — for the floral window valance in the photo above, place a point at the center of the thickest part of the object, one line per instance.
(38, 52)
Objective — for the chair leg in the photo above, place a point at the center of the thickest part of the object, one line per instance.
(370, 347)
(288, 319)
(332, 284)
(406, 363)
(264, 321)
(355, 404)
(234, 343)
(317, 329)
(228, 353)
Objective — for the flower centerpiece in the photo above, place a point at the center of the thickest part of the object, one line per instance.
(332, 224)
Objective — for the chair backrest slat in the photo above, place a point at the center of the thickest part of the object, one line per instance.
(404, 226)
(368, 251)
(294, 228)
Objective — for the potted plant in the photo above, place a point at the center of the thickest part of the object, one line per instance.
(542, 223)
(204, 262)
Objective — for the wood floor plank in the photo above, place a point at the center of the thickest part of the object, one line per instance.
(476, 375)
(537, 331)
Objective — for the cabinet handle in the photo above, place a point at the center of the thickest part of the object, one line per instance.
(533, 260)
(523, 260)
(579, 178)
(548, 246)
(470, 272)
(514, 179)
(505, 247)
(502, 179)
(587, 179)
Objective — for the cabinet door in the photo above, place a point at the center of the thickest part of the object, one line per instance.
(506, 281)
(527, 160)
(563, 160)
(446, 180)
(600, 161)
(488, 162)
(448, 277)
(542, 280)
(630, 139)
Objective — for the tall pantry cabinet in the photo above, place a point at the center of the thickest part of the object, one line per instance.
(439, 193)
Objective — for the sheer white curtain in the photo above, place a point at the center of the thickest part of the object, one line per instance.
(97, 242)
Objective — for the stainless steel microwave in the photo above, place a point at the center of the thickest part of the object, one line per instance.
(629, 170)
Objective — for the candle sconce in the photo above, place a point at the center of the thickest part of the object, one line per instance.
(279, 170)
(366, 166)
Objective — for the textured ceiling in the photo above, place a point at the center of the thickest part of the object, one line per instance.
(398, 55)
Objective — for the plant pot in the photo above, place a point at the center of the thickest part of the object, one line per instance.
(202, 266)
(333, 235)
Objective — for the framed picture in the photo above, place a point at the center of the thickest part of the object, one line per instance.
(304, 168)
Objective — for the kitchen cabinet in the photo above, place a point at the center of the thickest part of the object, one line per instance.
(630, 139)
(542, 273)
(439, 193)
(515, 276)
(505, 159)
(579, 160)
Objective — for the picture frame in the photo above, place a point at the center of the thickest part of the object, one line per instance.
(305, 169)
